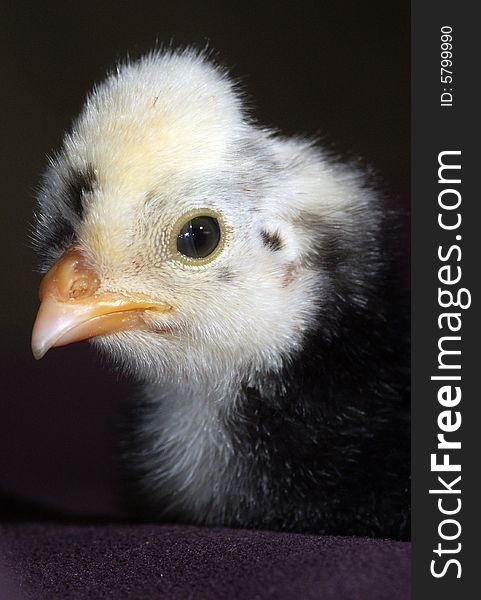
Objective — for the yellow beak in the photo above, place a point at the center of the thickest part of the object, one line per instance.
(71, 308)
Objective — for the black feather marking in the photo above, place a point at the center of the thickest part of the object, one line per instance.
(62, 203)
(271, 240)
(77, 184)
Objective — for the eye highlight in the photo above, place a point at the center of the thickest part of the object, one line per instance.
(199, 237)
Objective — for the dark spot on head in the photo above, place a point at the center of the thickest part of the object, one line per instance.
(61, 198)
(78, 183)
(226, 274)
(271, 240)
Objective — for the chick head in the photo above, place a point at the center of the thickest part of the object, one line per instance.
(179, 235)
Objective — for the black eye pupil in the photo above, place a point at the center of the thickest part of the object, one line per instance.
(199, 237)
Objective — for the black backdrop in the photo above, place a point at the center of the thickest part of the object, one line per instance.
(339, 70)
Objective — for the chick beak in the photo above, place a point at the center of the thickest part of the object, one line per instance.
(72, 309)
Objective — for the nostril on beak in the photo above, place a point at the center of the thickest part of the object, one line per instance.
(71, 278)
(83, 286)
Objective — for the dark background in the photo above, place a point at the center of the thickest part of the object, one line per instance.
(339, 70)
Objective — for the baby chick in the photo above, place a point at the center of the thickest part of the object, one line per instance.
(247, 281)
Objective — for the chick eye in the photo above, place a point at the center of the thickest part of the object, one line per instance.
(199, 237)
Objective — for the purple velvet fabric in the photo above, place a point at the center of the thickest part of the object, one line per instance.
(58, 560)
